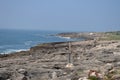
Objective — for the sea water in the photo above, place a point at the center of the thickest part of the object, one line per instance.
(21, 40)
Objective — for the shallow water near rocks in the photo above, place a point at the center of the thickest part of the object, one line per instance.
(22, 40)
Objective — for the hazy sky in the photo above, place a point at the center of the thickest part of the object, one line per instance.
(67, 15)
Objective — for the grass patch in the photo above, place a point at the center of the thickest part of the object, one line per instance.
(112, 36)
(93, 78)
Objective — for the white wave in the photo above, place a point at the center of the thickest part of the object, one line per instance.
(8, 51)
(64, 37)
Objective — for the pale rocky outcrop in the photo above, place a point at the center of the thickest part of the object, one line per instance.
(48, 61)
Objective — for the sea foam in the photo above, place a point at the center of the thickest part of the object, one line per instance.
(8, 51)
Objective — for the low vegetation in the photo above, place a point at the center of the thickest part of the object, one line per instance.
(113, 74)
(112, 36)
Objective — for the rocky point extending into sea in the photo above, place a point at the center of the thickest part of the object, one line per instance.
(75, 60)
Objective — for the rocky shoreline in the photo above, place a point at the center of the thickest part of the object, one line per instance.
(84, 35)
(53, 61)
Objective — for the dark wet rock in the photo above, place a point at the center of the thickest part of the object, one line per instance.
(118, 46)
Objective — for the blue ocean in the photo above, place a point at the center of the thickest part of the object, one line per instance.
(22, 40)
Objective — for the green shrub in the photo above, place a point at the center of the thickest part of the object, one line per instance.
(93, 78)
